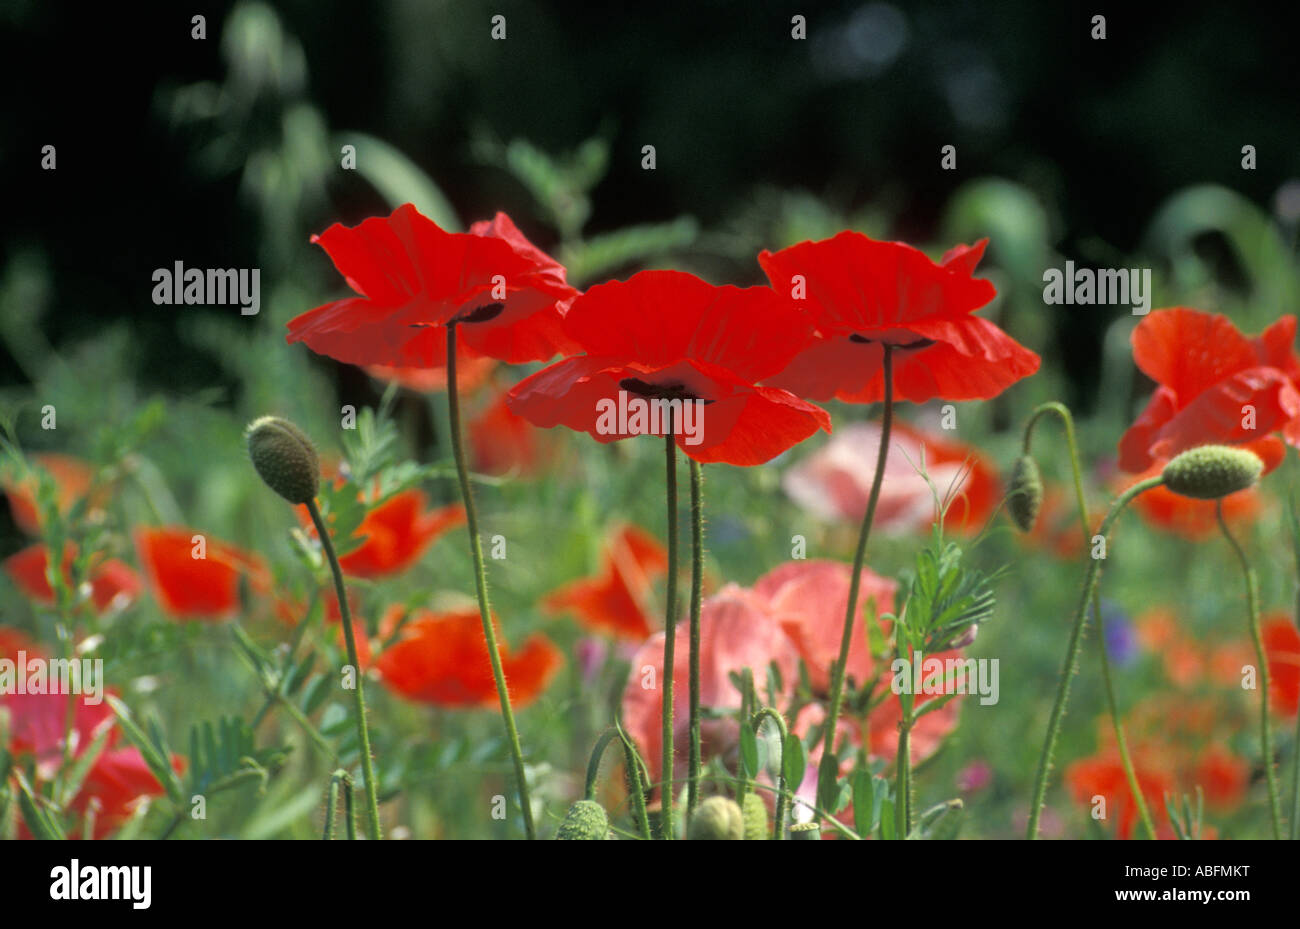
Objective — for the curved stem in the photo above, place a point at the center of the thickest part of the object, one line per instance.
(778, 813)
(632, 762)
(670, 634)
(1072, 655)
(358, 693)
(1265, 725)
(1126, 761)
(480, 583)
(697, 584)
(828, 761)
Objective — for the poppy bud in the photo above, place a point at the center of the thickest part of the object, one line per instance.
(808, 832)
(967, 636)
(717, 818)
(1212, 471)
(1026, 494)
(586, 819)
(755, 813)
(284, 458)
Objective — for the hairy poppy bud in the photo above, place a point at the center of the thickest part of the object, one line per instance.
(284, 458)
(1212, 471)
(755, 813)
(717, 818)
(808, 832)
(586, 819)
(1026, 494)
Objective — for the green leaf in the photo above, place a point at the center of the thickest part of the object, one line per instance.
(793, 762)
(75, 774)
(863, 803)
(158, 764)
(38, 819)
(748, 751)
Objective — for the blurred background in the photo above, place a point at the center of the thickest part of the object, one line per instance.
(227, 152)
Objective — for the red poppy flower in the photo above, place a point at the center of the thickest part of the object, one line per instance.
(291, 612)
(1282, 648)
(808, 598)
(113, 584)
(190, 587)
(616, 601)
(736, 631)
(413, 278)
(862, 294)
(835, 481)
(502, 442)
(37, 723)
(116, 783)
(1192, 519)
(13, 641)
(442, 658)
(72, 480)
(1210, 378)
(397, 532)
(1102, 775)
(1223, 777)
(667, 335)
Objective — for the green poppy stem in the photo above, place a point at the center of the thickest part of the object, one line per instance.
(480, 583)
(1126, 762)
(358, 693)
(1265, 724)
(828, 762)
(670, 635)
(778, 813)
(697, 585)
(1072, 654)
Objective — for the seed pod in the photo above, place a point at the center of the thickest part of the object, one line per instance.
(586, 819)
(1026, 494)
(284, 458)
(717, 818)
(755, 814)
(808, 832)
(1212, 471)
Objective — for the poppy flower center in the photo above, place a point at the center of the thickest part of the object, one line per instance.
(917, 343)
(677, 391)
(480, 314)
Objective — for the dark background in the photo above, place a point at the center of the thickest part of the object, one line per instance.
(1103, 130)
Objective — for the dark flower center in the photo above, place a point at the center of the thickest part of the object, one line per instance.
(919, 343)
(634, 385)
(480, 314)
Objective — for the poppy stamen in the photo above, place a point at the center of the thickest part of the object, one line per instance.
(898, 346)
(634, 385)
(480, 314)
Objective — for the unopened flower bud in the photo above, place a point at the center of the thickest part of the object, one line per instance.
(284, 458)
(586, 819)
(808, 832)
(1212, 471)
(1026, 494)
(717, 818)
(755, 812)
(967, 636)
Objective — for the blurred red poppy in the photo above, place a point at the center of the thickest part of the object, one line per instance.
(442, 659)
(616, 601)
(502, 443)
(736, 632)
(861, 294)
(472, 370)
(72, 480)
(413, 278)
(188, 586)
(1102, 775)
(37, 723)
(116, 783)
(834, 482)
(13, 641)
(1282, 648)
(396, 533)
(1222, 776)
(113, 584)
(667, 335)
(808, 598)
(1213, 385)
